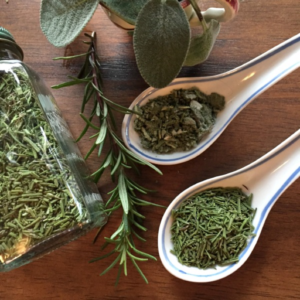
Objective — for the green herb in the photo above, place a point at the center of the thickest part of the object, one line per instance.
(202, 45)
(212, 227)
(161, 41)
(162, 38)
(177, 121)
(127, 10)
(34, 176)
(119, 159)
(69, 17)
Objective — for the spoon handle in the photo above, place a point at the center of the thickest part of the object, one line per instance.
(273, 173)
(254, 77)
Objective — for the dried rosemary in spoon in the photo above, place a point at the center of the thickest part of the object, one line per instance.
(212, 227)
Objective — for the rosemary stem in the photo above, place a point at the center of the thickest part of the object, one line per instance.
(118, 159)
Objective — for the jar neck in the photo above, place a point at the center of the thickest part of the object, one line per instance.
(10, 50)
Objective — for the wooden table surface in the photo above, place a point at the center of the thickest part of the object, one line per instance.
(273, 269)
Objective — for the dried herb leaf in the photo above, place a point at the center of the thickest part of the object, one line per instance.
(126, 10)
(177, 121)
(62, 20)
(202, 45)
(161, 41)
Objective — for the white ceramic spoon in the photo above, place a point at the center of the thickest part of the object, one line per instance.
(240, 86)
(267, 178)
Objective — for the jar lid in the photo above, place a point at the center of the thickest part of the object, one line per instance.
(5, 34)
(7, 37)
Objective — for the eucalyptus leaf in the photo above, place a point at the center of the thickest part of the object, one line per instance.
(202, 45)
(63, 20)
(161, 41)
(126, 10)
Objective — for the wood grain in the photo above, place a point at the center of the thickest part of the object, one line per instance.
(273, 270)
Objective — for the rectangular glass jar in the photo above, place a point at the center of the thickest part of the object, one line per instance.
(46, 198)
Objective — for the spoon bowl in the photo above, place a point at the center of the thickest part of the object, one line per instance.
(240, 86)
(267, 178)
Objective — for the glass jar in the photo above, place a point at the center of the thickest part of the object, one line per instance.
(46, 199)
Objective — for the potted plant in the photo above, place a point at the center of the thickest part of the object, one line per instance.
(162, 38)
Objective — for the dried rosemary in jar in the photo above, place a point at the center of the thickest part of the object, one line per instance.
(177, 121)
(212, 227)
(45, 198)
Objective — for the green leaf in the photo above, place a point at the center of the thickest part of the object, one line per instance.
(118, 231)
(90, 151)
(139, 270)
(101, 257)
(111, 241)
(117, 164)
(122, 108)
(102, 133)
(127, 226)
(123, 193)
(138, 225)
(135, 257)
(202, 45)
(112, 197)
(142, 202)
(70, 83)
(115, 207)
(112, 265)
(126, 10)
(132, 154)
(104, 164)
(119, 274)
(62, 20)
(138, 236)
(161, 41)
(144, 254)
(139, 187)
(88, 122)
(137, 214)
(88, 92)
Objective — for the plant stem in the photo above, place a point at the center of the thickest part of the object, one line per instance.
(118, 159)
(199, 14)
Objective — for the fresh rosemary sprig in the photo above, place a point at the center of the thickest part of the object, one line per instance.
(118, 158)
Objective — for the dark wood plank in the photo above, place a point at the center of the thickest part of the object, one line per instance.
(273, 270)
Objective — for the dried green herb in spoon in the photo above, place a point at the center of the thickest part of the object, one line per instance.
(212, 227)
(177, 121)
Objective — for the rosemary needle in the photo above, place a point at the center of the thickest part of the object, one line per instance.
(212, 227)
(118, 158)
